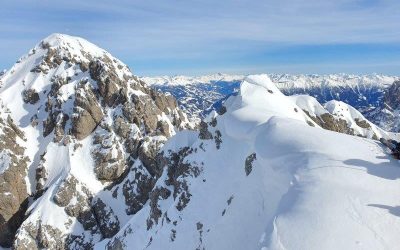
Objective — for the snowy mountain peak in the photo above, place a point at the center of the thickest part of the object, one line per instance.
(77, 46)
(85, 122)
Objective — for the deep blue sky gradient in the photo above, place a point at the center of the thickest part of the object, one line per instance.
(198, 37)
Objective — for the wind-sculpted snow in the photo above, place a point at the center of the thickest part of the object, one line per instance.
(277, 181)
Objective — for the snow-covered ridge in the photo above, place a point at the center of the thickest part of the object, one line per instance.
(260, 176)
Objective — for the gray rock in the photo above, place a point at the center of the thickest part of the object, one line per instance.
(248, 165)
(204, 134)
(66, 191)
(13, 194)
(106, 219)
(40, 237)
(136, 190)
(121, 127)
(107, 165)
(102, 71)
(88, 113)
(148, 152)
(30, 96)
(155, 212)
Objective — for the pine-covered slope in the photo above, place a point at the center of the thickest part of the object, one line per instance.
(263, 175)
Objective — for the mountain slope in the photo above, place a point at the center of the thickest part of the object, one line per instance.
(90, 133)
(277, 182)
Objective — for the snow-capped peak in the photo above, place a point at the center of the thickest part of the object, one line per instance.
(82, 120)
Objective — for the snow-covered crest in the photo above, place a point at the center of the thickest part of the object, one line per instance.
(287, 182)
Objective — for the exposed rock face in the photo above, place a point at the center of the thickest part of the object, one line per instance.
(108, 222)
(362, 123)
(148, 155)
(392, 96)
(88, 112)
(178, 168)
(204, 133)
(329, 122)
(102, 70)
(66, 192)
(109, 157)
(248, 164)
(40, 237)
(386, 115)
(30, 96)
(136, 190)
(13, 190)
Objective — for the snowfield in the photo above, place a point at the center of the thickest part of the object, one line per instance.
(275, 183)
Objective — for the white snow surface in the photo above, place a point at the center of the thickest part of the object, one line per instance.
(309, 188)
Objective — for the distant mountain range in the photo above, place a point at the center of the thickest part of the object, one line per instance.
(197, 95)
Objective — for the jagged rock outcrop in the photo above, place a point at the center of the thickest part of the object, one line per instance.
(30, 96)
(88, 113)
(13, 170)
(329, 122)
(386, 114)
(392, 96)
(106, 219)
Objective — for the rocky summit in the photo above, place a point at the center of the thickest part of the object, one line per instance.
(78, 132)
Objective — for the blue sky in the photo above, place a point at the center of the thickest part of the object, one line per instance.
(189, 37)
